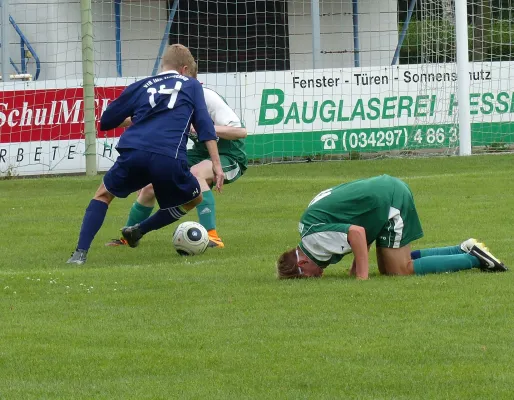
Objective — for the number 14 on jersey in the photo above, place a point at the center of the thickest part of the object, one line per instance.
(164, 90)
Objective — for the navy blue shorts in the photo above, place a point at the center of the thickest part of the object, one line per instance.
(172, 181)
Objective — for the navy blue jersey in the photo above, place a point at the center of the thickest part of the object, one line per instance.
(162, 108)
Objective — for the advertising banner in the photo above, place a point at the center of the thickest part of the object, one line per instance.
(287, 113)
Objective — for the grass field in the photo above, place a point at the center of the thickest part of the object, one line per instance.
(147, 324)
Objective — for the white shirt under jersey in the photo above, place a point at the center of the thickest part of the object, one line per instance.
(323, 245)
(220, 112)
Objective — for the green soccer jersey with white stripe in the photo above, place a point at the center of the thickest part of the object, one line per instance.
(222, 115)
(368, 203)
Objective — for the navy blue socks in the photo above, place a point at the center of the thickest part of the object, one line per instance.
(161, 219)
(91, 224)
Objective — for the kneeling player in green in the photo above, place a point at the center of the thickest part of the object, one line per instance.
(231, 134)
(350, 217)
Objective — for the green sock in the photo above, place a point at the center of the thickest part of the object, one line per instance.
(138, 213)
(442, 251)
(448, 263)
(207, 211)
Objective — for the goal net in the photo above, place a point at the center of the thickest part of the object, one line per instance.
(311, 80)
(40, 89)
(490, 29)
(352, 78)
(491, 35)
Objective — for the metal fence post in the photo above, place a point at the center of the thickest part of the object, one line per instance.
(4, 39)
(88, 73)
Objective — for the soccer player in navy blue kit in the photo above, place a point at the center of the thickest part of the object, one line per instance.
(152, 150)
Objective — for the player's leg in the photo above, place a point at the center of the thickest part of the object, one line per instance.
(397, 261)
(438, 251)
(143, 206)
(488, 262)
(394, 257)
(117, 182)
(163, 217)
(394, 254)
(91, 224)
(177, 191)
(403, 227)
(145, 203)
(207, 208)
(401, 261)
(140, 210)
(394, 261)
(442, 259)
(463, 248)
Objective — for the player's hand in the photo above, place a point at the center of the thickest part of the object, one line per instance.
(193, 135)
(353, 269)
(219, 176)
(126, 123)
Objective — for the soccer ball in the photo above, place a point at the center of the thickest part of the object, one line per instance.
(190, 239)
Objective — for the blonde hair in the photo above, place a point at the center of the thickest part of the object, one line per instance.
(176, 57)
(193, 72)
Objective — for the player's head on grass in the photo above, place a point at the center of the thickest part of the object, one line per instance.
(178, 58)
(294, 264)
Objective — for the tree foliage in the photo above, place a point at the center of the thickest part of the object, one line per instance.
(434, 41)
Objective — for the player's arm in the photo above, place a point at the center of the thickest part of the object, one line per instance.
(219, 175)
(226, 122)
(359, 244)
(126, 123)
(204, 127)
(228, 132)
(354, 265)
(118, 111)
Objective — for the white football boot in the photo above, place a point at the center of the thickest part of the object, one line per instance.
(489, 263)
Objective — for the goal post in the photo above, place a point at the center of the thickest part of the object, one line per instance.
(461, 24)
(88, 73)
(4, 9)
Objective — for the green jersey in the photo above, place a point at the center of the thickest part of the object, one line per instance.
(222, 115)
(381, 205)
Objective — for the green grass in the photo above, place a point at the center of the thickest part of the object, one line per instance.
(147, 324)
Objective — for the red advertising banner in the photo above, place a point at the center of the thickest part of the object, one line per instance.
(52, 114)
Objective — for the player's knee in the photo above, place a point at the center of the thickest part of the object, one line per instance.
(402, 268)
(198, 200)
(193, 203)
(195, 170)
(202, 170)
(103, 195)
(409, 267)
(395, 261)
(146, 194)
(204, 179)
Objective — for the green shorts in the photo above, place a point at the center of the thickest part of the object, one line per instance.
(231, 167)
(403, 226)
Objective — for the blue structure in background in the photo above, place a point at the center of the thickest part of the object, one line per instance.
(173, 10)
(117, 21)
(356, 46)
(410, 11)
(24, 45)
(165, 37)
(164, 41)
